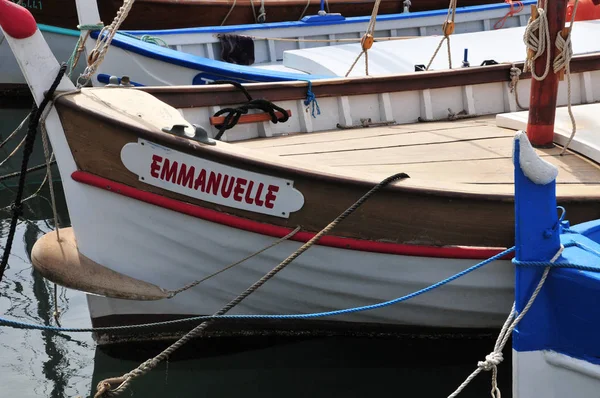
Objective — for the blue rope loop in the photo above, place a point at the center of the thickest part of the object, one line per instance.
(564, 264)
(22, 325)
(311, 99)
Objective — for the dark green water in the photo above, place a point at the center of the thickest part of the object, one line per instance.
(45, 364)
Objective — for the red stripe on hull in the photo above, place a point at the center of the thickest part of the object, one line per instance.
(457, 252)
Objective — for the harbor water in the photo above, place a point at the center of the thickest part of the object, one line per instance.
(48, 364)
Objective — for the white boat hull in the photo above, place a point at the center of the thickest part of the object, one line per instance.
(170, 249)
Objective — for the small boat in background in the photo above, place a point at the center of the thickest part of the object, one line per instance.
(150, 14)
(257, 53)
(257, 44)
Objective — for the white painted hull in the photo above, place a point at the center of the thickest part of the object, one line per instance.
(206, 44)
(61, 45)
(553, 375)
(170, 249)
(269, 54)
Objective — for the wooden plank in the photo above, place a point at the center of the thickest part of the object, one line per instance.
(393, 141)
(370, 132)
(572, 170)
(461, 150)
(250, 118)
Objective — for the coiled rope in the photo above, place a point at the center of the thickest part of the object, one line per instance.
(17, 207)
(105, 387)
(537, 40)
(234, 114)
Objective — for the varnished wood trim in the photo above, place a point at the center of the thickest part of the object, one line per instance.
(212, 95)
(251, 118)
(397, 214)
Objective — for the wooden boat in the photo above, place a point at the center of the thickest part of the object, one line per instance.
(149, 14)
(147, 224)
(563, 362)
(205, 43)
(193, 57)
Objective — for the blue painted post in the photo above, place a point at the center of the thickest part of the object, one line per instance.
(322, 7)
(537, 237)
(465, 62)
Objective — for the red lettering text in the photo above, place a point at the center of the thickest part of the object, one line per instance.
(270, 197)
(155, 165)
(200, 180)
(226, 190)
(186, 178)
(258, 200)
(247, 198)
(239, 189)
(169, 172)
(214, 180)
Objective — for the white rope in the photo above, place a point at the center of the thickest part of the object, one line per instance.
(229, 13)
(446, 38)
(262, 16)
(304, 11)
(493, 359)
(96, 56)
(537, 39)
(369, 33)
(563, 60)
(515, 73)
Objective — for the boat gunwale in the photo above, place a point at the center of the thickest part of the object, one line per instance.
(211, 95)
(228, 153)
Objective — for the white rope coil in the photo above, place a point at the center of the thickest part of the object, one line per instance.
(537, 39)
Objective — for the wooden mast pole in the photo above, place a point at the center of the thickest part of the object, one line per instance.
(543, 95)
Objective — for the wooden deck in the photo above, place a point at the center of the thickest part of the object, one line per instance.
(469, 151)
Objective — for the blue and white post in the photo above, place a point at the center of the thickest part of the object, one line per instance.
(556, 347)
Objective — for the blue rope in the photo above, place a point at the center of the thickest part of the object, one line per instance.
(310, 98)
(564, 264)
(22, 325)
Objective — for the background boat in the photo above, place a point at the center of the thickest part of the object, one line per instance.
(150, 14)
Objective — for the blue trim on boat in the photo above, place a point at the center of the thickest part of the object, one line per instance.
(214, 70)
(564, 317)
(57, 30)
(315, 21)
(105, 79)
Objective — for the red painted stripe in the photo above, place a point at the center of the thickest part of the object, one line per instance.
(460, 252)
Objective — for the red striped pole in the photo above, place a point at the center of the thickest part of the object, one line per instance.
(543, 95)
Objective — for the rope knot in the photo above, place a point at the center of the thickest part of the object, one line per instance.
(492, 360)
(17, 209)
(312, 99)
(515, 73)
